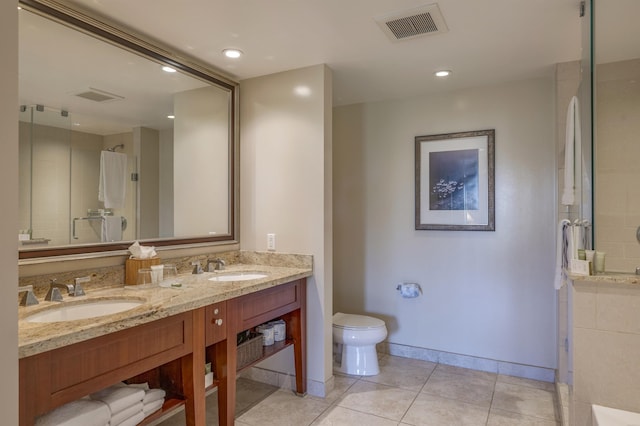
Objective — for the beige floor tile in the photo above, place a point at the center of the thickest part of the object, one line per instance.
(526, 382)
(410, 374)
(525, 400)
(284, 408)
(380, 400)
(340, 416)
(432, 410)
(466, 372)
(249, 393)
(505, 418)
(473, 390)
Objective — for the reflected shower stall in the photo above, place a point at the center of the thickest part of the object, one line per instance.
(59, 180)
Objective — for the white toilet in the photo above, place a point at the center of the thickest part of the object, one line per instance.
(356, 337)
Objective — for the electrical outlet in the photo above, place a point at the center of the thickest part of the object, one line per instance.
(271, 242)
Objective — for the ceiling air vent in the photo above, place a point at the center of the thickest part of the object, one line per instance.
(413, 23)
(98, 95)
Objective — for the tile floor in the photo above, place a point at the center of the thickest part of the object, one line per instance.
(406, 392)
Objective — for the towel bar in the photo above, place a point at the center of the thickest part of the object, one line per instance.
(73, 225)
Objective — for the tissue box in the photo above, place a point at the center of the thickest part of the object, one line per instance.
(132, 265)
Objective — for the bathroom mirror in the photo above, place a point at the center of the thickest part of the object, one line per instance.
(616, 106)
(114, 146)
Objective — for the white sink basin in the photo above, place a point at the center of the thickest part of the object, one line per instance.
(78, 311)
(239, 276)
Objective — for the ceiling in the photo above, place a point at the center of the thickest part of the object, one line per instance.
(488, 41)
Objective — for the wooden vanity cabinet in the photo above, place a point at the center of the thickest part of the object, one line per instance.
(286, 301)
(169, 353)
(62, 375)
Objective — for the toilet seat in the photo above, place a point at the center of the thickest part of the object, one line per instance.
(356, 322)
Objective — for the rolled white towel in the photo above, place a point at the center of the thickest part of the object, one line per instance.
(118, 418)
(77, 413)
(153, 395)
(119, 398)
(134, 420)
(152, 407)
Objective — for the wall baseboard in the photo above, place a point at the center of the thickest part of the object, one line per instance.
(467, 361)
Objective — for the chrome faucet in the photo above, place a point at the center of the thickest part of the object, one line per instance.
(216, 264)
(77, 287)
(54, 294)
(28, 299)
(197, 269)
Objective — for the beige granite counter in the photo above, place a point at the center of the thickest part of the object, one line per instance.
(159, 302)
(608, 277)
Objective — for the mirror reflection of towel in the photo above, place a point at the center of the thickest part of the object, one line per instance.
(111, 228)
(113, 179)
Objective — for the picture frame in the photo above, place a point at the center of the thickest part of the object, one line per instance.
(455, 181)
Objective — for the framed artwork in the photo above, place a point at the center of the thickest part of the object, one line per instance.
(455, 181)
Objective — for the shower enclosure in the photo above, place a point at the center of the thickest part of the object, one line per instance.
(59, 178)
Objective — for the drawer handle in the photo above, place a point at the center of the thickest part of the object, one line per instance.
(216, 311)
(217, 321)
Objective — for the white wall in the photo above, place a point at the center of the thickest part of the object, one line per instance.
(285, 188)
(9, 222)
(148, 151)
(201, 153)
(486, 294)
(166, 183)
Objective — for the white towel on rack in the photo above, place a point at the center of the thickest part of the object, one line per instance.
(82, 412)
(118, 398)
(133, 420)
(562, 252)
(572, 151)
(113, 179)
(111, 228)
(126, 414)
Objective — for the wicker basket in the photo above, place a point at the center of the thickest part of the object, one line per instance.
(249, 351)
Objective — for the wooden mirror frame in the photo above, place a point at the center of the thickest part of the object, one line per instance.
(133, 43)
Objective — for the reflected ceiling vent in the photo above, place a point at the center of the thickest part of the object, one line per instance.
(98, 95)
(413, 23)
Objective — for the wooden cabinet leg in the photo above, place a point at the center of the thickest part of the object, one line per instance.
(193, 374)
(225, 370)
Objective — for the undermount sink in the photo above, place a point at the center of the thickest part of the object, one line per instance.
(239, 276)
(71, 311)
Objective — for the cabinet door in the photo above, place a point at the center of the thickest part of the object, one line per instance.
(215, 323)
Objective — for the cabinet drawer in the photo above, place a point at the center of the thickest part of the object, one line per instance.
(215, 323)
(256, 308)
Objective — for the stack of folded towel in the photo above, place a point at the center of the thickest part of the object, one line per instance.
(117, 405)
(152, 401)
(83, 412)
(124, 402)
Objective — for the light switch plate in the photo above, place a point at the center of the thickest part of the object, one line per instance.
(271, 242)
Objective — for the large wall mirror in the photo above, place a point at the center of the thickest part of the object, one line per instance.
(616, 106)
(119, 140)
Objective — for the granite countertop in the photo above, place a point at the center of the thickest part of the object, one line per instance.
(158, 302)
(608, 277)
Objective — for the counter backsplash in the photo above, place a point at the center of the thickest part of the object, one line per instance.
(113, 276)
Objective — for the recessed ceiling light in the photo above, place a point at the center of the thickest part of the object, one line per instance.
(443, 73)
(171, 116)
(168, 69)
(232, 53)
